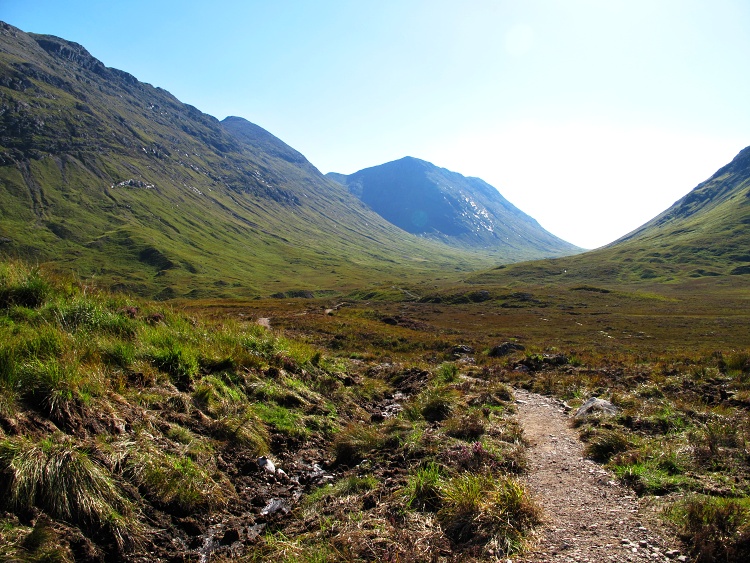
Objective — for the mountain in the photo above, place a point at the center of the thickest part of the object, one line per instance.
(130, 188)
(438, 204)
(706, 234)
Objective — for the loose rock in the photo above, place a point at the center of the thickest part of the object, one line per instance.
(595, 405)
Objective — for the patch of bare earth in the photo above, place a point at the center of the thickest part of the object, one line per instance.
(588, 516)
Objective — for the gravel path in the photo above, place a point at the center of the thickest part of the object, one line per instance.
(589, 517)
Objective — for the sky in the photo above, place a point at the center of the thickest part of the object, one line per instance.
(592, 116)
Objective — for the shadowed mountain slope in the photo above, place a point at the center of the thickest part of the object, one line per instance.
(706, 234)
(438, 204)
(120, 181)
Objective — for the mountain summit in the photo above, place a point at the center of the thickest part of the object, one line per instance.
(436, 203)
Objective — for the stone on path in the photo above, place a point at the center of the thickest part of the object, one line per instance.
(595, 405)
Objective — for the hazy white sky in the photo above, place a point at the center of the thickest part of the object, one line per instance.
(592, 116)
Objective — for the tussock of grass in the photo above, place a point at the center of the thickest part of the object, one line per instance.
(436, 403)
(175, 480)
(717, 529)
(423, 489)
(353, 443)
(467, 426)
(603, 444)
(62, 479)
(23, 287)
(487, 510)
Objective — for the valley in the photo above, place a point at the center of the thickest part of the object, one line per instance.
(210, 351)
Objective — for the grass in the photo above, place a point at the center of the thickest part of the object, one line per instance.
(61, 478)
(176, 481)
(494, 511)
(423, 489)
(355, 442)
(170, 389)
(717, 529)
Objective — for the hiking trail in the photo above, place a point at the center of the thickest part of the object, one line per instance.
(588, 515)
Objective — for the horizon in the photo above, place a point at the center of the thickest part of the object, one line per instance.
(591, 118)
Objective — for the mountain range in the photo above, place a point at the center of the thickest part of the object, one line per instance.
(125, 185)
(130, 188)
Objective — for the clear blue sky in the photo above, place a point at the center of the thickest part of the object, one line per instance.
(593, 116)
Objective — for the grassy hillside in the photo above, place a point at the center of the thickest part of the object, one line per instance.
(123, 184)
(704, 235)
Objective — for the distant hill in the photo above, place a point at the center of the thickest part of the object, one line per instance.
(438, 204)
(127, 186)
(706, 234)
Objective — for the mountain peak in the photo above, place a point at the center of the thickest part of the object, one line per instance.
(433, 202)
(70, 51)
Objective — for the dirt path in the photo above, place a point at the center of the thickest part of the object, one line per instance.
(588, 516)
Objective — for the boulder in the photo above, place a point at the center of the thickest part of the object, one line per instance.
(505, 348)
(596, 406)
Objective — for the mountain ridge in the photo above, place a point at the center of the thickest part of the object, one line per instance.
(117, 179)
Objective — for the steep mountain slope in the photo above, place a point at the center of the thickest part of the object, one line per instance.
(442, 205)
(123, 183)
(704, 234)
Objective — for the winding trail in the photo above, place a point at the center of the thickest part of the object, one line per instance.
(589, 517)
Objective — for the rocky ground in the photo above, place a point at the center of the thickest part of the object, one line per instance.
(589, 517)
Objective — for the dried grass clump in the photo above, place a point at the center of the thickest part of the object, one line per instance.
(604, 444)
(62, 479)
(353, 443)
(468, 426)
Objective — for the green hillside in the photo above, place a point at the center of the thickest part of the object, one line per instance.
(441, 205)
(704, 235)
(125, 185)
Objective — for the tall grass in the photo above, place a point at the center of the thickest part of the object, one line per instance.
(717, 529)
(61, 478)
(481, 509)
